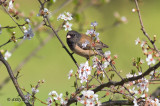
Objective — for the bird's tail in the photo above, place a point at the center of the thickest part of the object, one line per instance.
(100, 52)
(105, 46)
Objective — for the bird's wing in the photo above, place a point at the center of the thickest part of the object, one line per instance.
(100, 45)
(85, 38)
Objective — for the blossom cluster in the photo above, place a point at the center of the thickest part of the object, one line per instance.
(150, 54)
(13, 9)
(66, 16)
(141, 84)
(148, 102)
(28, 33)
(101, 65)
(43, 12)
(93, 33)
(140, 91)
(84, 71)
(89, 98)
(6, 54)
(55, 97)
(154, 74)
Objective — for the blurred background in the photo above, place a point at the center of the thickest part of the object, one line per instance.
(51, 62)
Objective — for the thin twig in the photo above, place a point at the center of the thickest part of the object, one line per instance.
(96, 79)
(117, 102)
(122, 82)
(42, 44)
(63, 46)
(70, 54)
(14, 80)
(12, 18)
(10, 27)
(143, 29)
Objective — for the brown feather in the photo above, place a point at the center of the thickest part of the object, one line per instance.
(98, 45)
(84, 53)
(75, 43)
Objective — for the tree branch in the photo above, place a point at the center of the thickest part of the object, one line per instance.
(70, 54)
(114, 83)
(117, 102)
(125, 80)
(14, 80)
(142, 27)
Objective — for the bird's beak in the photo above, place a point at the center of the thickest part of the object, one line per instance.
(68, 36)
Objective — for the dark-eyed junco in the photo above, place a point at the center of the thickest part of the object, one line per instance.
(84, 45)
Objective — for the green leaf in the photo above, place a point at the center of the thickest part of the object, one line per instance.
(101, 77)
(67, 93)
(133, 72)
(112, 75)
(124, 97)
(75, 84)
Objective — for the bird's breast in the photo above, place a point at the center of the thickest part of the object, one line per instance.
(84, 53)
(71, 44)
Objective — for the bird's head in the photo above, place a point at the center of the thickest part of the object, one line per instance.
(73, 36)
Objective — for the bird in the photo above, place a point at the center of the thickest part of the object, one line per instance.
(75, 41)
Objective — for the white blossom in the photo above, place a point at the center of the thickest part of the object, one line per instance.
(63, 102)
(133, 90)
(53, 93)
(150, 59)
(137, 41)
(49, 101)
(45, 10)
(133, 10)
(67, 26)
(129, 75)
(66, 16)
(85, 44)
(94, 24)
(61, 16)
(84, 71)
(27, 97)
(90, 32)
(27, 20)
(34, 90)
(58, 97)
(143, 84)
(135, 102)
(89, 98)
(106, 64)
(10, 6)
(107, 53)
(28, 34)
(95, 62)
(7, 55)
(70, 74)
(143, 43)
